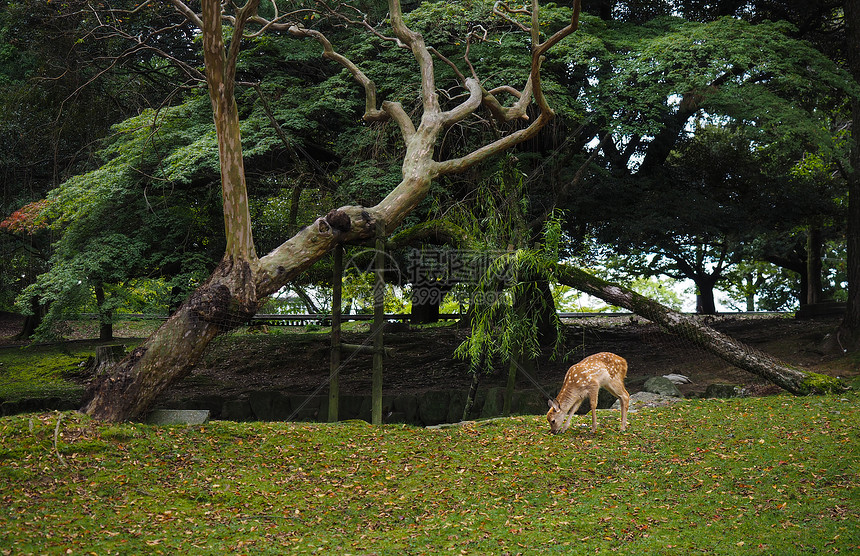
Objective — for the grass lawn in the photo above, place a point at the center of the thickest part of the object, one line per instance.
(775, 475)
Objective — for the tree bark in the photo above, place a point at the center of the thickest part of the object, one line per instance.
(813, 264)
(33, 320)
(105, 316)
(705, 303)
(730, 350)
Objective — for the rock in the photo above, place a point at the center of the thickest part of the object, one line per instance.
(456, 405)
(528, 402)
(307, 408)
(354, 407)
(212, 402)
(178, 417)
(663, 386)
(647, 399)
(718, 390)
(395, 418)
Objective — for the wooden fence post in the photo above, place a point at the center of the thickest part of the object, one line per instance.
(334, 367)
(378, 323)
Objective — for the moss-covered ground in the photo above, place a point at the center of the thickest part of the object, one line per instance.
(772, 475)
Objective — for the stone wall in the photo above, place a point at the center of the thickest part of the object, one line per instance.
(424, 409)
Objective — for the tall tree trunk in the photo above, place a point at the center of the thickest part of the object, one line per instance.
(105, 315)
(705, 303)
(33, 320)
(814, 245)
(849, 330)
(766, 366)
(750, 288)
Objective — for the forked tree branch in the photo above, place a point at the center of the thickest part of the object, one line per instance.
(415, 42)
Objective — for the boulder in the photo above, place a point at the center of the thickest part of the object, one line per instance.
(407, 405)
(456, 405)
(237, 410)
(528, 402)
(663, 386)
(647, 399)
(307, 408)
(354, 407)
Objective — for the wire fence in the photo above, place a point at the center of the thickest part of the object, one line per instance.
(324, 319)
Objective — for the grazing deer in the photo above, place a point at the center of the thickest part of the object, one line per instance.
(586, 378)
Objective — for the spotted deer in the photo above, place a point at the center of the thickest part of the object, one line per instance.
(586, 378)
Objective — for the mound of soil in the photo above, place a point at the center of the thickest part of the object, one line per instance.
(298, 363)
(424, 361)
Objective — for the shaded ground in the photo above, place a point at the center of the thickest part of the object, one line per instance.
(285, 360)
(299, 363)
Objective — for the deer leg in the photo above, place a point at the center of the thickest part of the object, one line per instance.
(568, 420)
(620, 392)
(592, 398)
(625, 403)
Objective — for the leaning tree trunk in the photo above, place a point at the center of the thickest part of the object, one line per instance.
(237, 287)
(759, 363)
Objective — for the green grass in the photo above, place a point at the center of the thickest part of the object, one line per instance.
(775, 475)
(41, 371)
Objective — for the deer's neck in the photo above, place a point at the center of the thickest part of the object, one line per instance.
(569, 398)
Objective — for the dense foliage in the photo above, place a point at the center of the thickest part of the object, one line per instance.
(719, 135)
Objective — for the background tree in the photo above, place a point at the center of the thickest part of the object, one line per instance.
(850, 327)
(705, 131)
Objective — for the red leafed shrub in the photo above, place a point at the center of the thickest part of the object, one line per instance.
(26, 219)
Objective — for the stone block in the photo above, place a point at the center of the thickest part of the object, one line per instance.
(237, 410)
(494, 402)
(433, 407)
(407, 404)
(178, 417)
(306, 407)
(353, 407)
(270, 406)
(528, 402)
(456, 405)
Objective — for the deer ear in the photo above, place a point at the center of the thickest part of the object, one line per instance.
(553, 404)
